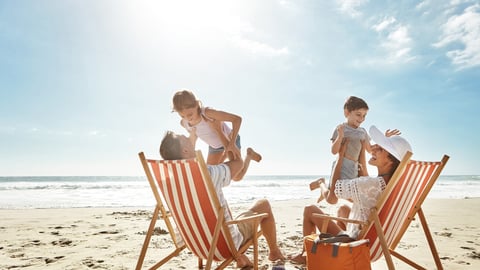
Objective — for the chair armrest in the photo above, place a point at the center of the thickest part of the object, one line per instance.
(328, 217)
(325, 218)
(247, 219)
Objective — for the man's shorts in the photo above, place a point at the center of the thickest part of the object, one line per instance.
(246, 228)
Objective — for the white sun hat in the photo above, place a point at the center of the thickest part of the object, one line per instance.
(395, 145)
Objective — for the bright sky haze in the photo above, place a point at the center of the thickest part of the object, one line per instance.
(86, 85)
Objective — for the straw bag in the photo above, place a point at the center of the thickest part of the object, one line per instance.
(338, 252)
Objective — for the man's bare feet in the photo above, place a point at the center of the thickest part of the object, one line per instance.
(276, 256)
(243, 262)
(253, 155)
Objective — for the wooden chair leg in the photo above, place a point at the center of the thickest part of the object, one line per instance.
(433, 249)
(383, 242)
(148, 236)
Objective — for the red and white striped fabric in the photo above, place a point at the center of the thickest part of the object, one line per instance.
(193, 203)
(401, 205)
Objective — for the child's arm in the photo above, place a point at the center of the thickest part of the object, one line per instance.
(221, 116)
(338, 141)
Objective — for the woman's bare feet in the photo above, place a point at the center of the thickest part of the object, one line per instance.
(253, 155)
(298, 259)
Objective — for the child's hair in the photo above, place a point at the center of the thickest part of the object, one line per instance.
(354, 103)
(184, 99)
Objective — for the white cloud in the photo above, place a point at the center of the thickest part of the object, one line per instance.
(256, 47)
(422, 4)
(395, 39)
(350, 7)
(463, 29)
(384, 24)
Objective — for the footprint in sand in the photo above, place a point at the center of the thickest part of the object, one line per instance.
(52, 260)
(89, 262)
(63, 242)
(33, 243)
(474, 255)
(445, 234)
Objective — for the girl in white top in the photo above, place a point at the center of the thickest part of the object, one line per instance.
(210, 126)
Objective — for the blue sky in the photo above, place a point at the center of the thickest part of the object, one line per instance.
(86, 85)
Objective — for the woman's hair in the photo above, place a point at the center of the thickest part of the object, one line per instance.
(354, 103)
(395, 163)
(184, 99)
(170, 148)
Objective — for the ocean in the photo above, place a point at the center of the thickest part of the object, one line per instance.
(134, 191)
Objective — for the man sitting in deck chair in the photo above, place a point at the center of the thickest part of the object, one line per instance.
(174, 146)
(364, 191)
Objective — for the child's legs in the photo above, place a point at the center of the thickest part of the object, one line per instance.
(215, 155)
(251, 154)
(349, 169)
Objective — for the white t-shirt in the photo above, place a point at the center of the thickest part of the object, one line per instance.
(221, 177)
(205, 132)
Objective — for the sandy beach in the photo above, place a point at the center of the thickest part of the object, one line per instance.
(110, 238)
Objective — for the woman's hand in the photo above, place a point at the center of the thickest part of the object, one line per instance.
(389, 133)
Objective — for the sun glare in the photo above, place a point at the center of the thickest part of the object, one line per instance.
(185, 18)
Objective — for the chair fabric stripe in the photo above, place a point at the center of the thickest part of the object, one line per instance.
(184, 190)
(399, 208)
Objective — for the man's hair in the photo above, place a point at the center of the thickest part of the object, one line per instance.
(170, 147)
(354, 103)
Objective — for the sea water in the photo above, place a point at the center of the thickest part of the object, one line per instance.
(134, 191)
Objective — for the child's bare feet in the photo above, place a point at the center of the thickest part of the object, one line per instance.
(253, 155)
(320, 198)
(316, 184)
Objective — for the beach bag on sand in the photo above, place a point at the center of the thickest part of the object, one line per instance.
(325, 252)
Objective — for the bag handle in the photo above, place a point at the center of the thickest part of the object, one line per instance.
(325, 238)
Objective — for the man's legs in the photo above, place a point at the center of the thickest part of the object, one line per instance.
(268, 228)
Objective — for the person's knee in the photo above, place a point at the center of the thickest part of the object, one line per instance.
(343, 211)
(262, 206)
(309, 210)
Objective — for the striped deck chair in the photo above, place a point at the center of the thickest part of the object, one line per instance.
(401, 200)
(184, 188)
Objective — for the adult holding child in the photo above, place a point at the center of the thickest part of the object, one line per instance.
(364, 191)
(175, 146)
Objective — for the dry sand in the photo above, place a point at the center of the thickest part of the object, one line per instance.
(108, 238)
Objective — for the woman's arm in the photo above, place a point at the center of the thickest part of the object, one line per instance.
(362, 161)
(331, 196)
(338, 140)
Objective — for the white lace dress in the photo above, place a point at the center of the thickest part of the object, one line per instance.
(364, 191)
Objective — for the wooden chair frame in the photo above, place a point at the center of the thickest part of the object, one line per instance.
(411, 181)
(220, 225)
